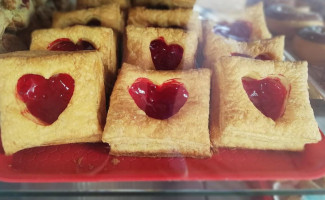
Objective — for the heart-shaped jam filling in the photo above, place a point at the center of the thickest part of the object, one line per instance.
(65, 44)
(159, 101)
(239, 30)
(269, 95)
(164, 56)
(45, 99)
(264, 56)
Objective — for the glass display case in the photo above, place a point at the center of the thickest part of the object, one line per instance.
(252, 137)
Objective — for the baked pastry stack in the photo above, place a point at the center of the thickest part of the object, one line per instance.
(247, 118)
(159, 113)
(51, 98)
(160, 104)
(81, 38)
(109, 16)
(251, 85)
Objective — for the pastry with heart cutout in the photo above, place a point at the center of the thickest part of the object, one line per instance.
(81, 38)
(246, 25)
(112, 20)
(160, 48)
(159, 113)
(232, 31)
(181, 18)
(51, 97)
(267, 49)
(261, 105)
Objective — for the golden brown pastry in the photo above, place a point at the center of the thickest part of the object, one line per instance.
(244, 26)
(186, 19)
(139, 40)
(285, 20)
(267, 49)
(100, 38)
(92, 17)
(131, 132)
(82, 4)
(165, 3)
(67, 105)
(242, 125)
(309, 44)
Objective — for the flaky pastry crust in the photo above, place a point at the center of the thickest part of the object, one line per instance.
(102, 38)
(81, 4)
(254, 15)
(218, 47)
(186, 19)
(138, 41)
(114, 19)
(81, 121)
(129, 131)
(242, 125)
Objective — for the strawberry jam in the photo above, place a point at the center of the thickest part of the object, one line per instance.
(65, 44)
(269, 95)
(45, 99)
(159, 101)
(165, 57)
(239, 30)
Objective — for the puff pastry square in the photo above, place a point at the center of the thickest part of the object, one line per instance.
(165, 3)
(130, 132)
(81, 4)
(102, 38)
(186, 19)
(110, 16)
(217, 48)
(253, 14)
(242, 125)
(138, 41)
(83, 118)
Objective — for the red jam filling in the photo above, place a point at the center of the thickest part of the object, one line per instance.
(45, 99)
(164, 56)
(264, 56)
(65, 44)
(269, 95)
(159, 101)
(239, 30)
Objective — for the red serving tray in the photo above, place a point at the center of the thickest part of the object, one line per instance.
(91, 162)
